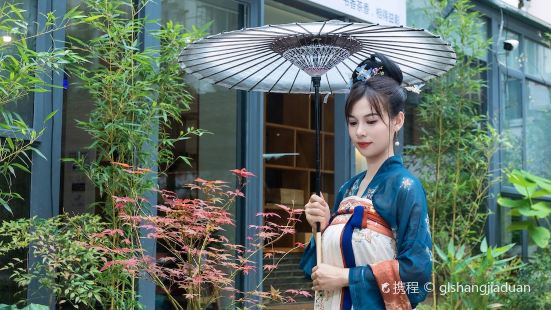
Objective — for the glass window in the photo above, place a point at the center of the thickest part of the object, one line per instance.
(21, 184)
(24, 106)
(278, 13)
(512, 122)
(538, 60)
(213, 109)
(512, 59)
(538, 129)
(224, 15)
(417, 13)
(482, 34)
(77, 192)
(506, 236)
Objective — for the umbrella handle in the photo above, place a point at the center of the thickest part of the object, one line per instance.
(319, 295)
(319, 258)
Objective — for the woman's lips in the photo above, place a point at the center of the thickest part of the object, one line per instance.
(363, 145)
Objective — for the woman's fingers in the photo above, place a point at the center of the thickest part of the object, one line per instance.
(316, 210)
(316, 205)
(316, 198)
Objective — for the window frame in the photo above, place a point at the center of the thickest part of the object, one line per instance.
(527, 29)
(45, 173)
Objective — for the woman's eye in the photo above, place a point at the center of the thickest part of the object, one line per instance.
(371, 122)
(352, 123)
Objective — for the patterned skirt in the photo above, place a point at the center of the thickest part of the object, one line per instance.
(374, 243)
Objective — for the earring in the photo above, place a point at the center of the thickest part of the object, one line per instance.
(396, 142)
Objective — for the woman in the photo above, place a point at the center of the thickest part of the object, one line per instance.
(376, 241)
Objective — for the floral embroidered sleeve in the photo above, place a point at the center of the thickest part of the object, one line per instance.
(401, 282)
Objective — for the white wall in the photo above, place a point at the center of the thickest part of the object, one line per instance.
(538, 8)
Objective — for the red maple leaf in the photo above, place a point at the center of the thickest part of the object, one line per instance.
(270, 267)
(242, 173)
(268, 214)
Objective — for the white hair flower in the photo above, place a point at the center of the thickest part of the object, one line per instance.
(415, 88)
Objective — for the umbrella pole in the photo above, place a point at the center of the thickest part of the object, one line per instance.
(316, 81)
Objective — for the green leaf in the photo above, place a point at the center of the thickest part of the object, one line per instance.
(451, 248)
(21, 167)
(531, 212)
(10, 143)
(440, 253)
(37, 152)
(6, 206)
(540, 235)
(92, 18)
(501, 250)
(483, 246)
(50, 116)
(541, 193)
(543, 207)
(522, 183)
(512, 203)
(460, 252)
(541, 182)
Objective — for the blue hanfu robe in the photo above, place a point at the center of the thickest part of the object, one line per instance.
(398, 197)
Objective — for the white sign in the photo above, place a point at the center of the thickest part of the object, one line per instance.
(384, 12)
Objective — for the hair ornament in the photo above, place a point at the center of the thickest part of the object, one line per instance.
(363, 74)
(415, 88)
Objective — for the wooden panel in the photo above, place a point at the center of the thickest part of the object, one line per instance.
(287, 109)
(306, 149)
(280, 140)
(328, 159)
(327, 116)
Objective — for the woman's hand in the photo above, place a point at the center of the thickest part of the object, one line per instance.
(327, 277)
(317, 210)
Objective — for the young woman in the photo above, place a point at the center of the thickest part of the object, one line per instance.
(377, 246)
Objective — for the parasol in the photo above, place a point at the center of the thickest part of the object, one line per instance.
(316, 57)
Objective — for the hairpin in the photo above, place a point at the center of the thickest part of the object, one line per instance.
(362, 74)
(415, 88)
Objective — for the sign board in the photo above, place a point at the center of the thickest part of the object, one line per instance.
(384, 12)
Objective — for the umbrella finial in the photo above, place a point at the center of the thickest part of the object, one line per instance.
(316, 54)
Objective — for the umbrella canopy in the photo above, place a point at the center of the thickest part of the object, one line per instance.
(283, 58)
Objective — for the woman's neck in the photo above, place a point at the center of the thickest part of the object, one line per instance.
(374, 163)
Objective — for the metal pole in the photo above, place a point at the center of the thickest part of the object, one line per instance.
(316, 81)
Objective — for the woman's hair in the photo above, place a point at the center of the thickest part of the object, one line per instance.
(381, 86)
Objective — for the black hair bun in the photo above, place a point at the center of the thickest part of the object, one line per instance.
(374, 65)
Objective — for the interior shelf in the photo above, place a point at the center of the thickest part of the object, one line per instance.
(289, 165)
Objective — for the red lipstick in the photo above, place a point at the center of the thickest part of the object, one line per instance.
(363, 145)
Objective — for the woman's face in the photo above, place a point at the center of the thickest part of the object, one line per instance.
(368, 132)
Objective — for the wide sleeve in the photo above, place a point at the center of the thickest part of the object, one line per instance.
(309, 258)
(402, 282)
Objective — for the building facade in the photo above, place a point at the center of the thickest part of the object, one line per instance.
(253, 130)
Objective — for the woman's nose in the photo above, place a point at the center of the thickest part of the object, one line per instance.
(361, 131)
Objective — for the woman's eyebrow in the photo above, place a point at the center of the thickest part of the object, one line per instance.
(371, 114)
(367, 115)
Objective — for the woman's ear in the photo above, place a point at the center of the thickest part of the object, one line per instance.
(399, 121)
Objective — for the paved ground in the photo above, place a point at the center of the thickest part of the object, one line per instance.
(303, 306)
